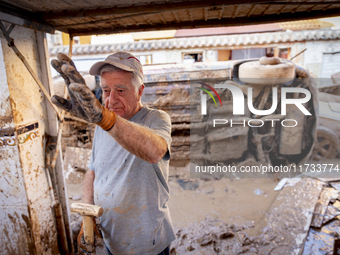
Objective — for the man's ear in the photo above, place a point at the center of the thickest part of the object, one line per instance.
(140, 90)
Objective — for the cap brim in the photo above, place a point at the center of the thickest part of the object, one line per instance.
(95, 68)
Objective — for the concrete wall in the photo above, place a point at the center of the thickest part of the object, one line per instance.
(314, 54)
(26, 220)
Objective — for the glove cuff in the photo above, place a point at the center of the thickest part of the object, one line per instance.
(108, 119)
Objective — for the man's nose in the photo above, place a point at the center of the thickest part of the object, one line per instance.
(112, 98)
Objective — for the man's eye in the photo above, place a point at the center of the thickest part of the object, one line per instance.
(121, 91)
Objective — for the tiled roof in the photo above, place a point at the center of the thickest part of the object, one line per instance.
(305, 24)
(204, 41)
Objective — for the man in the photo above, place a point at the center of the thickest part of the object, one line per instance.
(130, 155)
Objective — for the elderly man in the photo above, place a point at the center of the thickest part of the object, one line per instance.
(130, 155)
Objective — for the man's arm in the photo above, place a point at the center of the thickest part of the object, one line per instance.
(88, 192)
(139, 140)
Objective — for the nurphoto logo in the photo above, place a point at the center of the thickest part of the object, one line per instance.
(238, 104)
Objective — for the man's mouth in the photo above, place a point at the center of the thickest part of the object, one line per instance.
(115, 109)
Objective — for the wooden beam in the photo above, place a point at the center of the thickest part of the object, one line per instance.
(155, 7)
(191, 15)
(176, 16)
(220, 15)
(235, 12)
(205, 14)
(103, 21)
(147, 20)
(161, 18)
(293, 11)
(264, 12)
(266, 19)
(251, 10)
(283, 8)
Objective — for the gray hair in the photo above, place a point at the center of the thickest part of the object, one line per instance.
(136, 81)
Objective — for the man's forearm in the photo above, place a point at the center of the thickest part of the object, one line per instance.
(139, 140)
(88, 190)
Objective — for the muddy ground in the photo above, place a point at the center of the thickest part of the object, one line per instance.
(237, 216)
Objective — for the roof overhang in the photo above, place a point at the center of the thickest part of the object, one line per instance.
(91, 17)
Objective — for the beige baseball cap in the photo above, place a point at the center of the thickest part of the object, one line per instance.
(122, 60)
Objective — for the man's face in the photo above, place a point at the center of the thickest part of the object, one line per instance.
(120, 95)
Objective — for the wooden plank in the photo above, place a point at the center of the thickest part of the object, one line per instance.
(321, 207)
(268, 18)
(140, 9)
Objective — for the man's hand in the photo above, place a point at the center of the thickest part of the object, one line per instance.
(85, 249)
(83, 103)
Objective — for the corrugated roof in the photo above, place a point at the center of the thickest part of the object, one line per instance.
(204, 41)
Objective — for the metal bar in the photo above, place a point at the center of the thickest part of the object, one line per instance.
(10, 29)
(27, 65)
(271, 18)
(298, 54)
(142, 9)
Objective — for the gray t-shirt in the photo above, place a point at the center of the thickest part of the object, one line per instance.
(133, 192)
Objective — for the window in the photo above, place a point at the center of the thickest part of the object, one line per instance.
(248, 53)
(270, 52)
(54, 39)
(192, 57)
(145, 59)
(284, 53)
(76, 40)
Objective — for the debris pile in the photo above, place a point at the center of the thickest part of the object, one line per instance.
(212, 236)
(77, 134)
(325, 226)
(304, 219)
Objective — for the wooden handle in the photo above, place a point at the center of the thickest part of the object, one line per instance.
(87, 209)
(88, 230)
